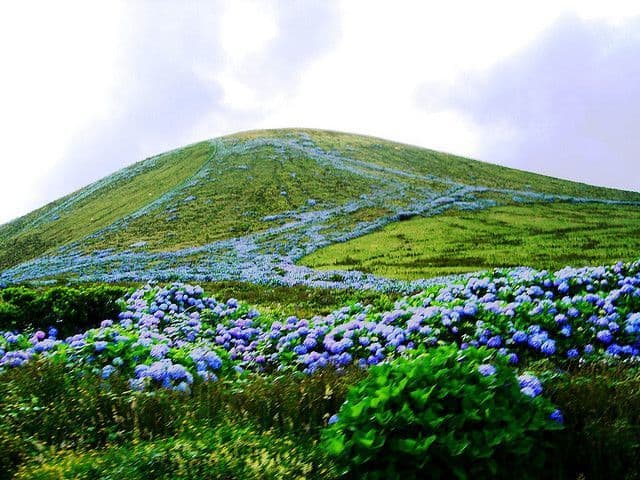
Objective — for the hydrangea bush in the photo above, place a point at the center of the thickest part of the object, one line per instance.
(169, 336)
(450, 413)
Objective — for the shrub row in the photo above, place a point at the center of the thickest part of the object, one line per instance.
(69, 309)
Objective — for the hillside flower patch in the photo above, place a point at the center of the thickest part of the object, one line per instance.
(268, 250)
(168, 336)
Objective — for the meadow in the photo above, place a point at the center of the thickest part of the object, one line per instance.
(180, 384)
(251, 207)
(548, 236)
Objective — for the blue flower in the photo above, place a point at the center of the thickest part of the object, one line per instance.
(604, 336)
(486, 370)
(159, 351)
(520, 337)
(107, 371)
(572, 353)
(556, 416)
(530, 385)
(548, 347)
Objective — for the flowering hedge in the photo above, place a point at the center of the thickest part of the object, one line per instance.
(168, 336)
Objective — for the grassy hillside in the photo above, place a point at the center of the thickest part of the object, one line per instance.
(549, 236)
(250, 206)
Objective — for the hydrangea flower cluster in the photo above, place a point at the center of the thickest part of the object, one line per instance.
(169, 336)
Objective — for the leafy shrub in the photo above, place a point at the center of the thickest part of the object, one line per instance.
(451, 413)
(69, 309)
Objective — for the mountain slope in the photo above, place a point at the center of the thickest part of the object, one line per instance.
(249, 206)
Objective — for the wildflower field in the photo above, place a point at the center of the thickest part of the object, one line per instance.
(310, 304)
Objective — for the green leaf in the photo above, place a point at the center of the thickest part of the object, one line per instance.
(335, 445)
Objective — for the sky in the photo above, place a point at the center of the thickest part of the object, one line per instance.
(90, 87)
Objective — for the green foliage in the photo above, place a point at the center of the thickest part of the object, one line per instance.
(46, 405)
(14, 450)
(299, 300)
(232, 450)
(601, 406)
(99, 205)
(545, 236)
(69, 309)
(437, 414)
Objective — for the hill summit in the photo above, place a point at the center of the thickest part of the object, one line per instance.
(250, 206)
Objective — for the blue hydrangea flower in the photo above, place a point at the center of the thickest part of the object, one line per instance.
(572, 353)
(486, 370)
(604, 336)
(556, 416)
(530, 385)
(107, 371)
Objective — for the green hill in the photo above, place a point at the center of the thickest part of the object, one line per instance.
(251, 206)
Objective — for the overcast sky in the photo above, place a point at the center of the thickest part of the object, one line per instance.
(89, 87)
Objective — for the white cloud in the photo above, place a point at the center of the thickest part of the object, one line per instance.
(57, 75)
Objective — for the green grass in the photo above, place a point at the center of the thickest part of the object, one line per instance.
(543, 236)
(424, 161)
(19, 241)
(234, 198)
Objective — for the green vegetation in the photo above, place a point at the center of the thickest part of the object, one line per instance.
(423, 161)
(447, 412)
(541, 236)
(56, 421)
(79, 412)
(301, 301)
(234, 450)
(98, 206)
(224, 188)
(601, 406)
(56, 424)
(69, 309)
